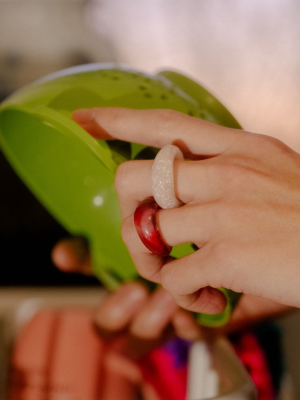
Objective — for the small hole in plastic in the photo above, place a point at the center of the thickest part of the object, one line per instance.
(164, 97)
(148, 95)
(142, 87)
(191, 113)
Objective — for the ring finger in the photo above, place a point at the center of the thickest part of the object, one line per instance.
(133, 182)
(186, 224)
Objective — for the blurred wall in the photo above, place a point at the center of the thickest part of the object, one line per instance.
(245, 51)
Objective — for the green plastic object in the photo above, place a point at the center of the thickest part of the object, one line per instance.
(72, 174)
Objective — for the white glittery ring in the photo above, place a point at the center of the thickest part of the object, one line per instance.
(162, 175)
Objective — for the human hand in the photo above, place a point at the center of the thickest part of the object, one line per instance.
(141, 320)
(144, 320)
(241, 193)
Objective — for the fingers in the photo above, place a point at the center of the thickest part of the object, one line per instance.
(196, 138)
(86, 118)
(132, 308)
(146, 320)
(192, 281)
(142, 320)
(177, 226)
(157, 128)
(155, 316)
(72, 255)
(152, 325)
(133, 182)
(118, 309)
(186, 327)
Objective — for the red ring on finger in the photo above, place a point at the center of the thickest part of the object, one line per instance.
(145, 220)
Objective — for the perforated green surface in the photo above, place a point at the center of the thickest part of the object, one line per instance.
(72, 174)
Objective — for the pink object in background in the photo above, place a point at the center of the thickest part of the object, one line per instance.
(57, 355)
(30, 359)
(253, 357)
(75, 361)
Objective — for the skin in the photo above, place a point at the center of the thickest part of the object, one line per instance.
(147, 320)
(242, 209)
(241, 194)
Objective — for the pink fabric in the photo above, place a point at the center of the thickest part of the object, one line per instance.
(166, 371)
(168, 378)
(253, 357)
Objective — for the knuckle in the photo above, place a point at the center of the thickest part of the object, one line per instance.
(127, 230)
(183, 301)
(235, 173)
(268, 140)
(269, 143)
(227, 169)
(122, 177)
(230, 173)
(277, 144)
(167, 279)
(227, 258)
(186, 301)
(223, 253)
(167, 120)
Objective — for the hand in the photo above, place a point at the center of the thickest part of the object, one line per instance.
(122, 377)
(131, 314)
(242, 206)
(144, 320)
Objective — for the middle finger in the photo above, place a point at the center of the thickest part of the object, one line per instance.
(133, 182)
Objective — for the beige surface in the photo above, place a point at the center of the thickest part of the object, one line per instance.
(12, 297)
(19, 304)
(245, 51)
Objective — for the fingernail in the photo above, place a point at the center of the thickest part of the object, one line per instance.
(186, 327)
(119, 306)
(83, 116)
(156, 316)
(70, 254)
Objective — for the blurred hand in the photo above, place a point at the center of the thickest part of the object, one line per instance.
(140, 320)
(146, 320)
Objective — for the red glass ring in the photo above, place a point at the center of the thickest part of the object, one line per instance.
(145, 220)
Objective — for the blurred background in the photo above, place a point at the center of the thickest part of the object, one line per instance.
(246, 52)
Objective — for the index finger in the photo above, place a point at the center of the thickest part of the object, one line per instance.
(157, 128)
